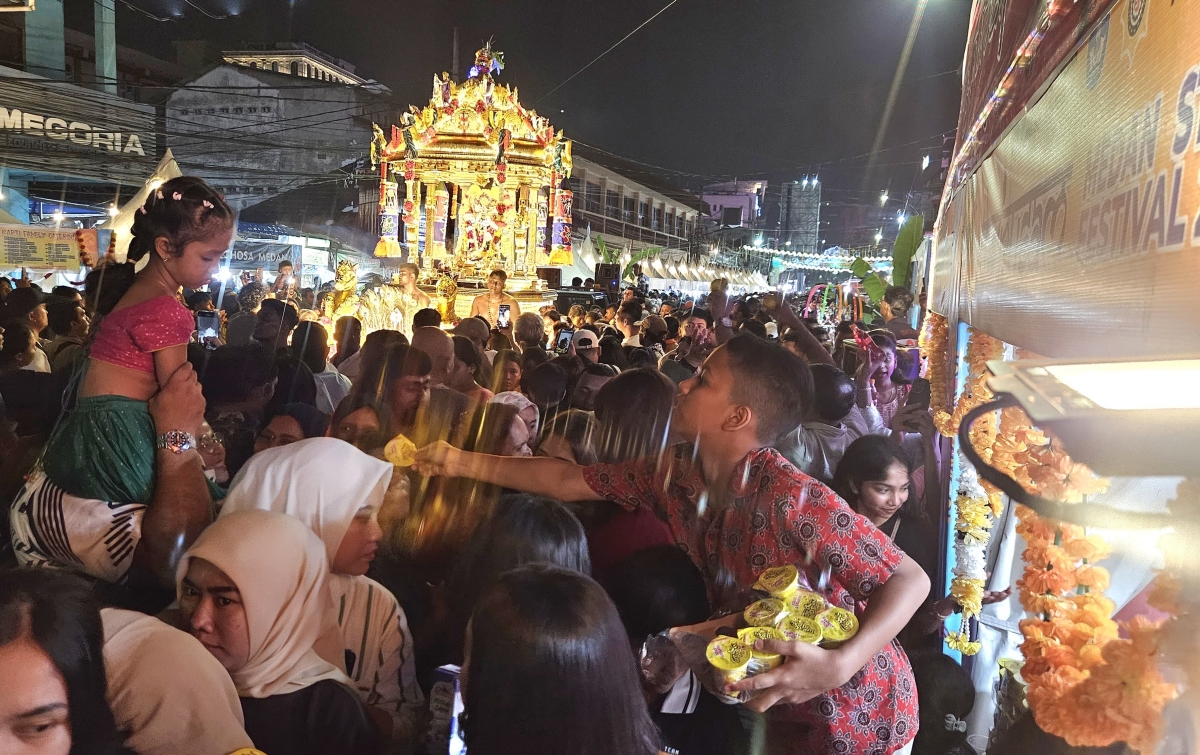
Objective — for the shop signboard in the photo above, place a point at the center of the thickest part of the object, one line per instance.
(1079, 235)
(41, 248)
(53, 127)
(251, 255)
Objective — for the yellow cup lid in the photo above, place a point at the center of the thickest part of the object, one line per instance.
(801, 629)
(779, 579)
(765, 613)
(728, 653)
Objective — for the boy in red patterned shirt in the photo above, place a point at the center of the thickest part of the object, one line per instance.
(738, 507)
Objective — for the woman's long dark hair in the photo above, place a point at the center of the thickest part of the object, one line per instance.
(551, 670)
(523, 529)
(634, 415)
(868, 459)
(59, 613)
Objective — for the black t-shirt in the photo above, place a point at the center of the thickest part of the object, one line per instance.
(712, 729)
(318, 720)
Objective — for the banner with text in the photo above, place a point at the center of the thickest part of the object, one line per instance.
(1080, 234)
(46, 248)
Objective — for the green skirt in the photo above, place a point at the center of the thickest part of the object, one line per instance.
(104, 449)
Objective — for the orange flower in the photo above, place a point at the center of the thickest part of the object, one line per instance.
(1095, 577)
(1090, 656)
(1040, 603)
(1090, 548)
(1032, 527)
(1094, 602)
(1047, 580)
(1049, 557)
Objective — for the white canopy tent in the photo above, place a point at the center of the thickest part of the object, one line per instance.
(121, 224)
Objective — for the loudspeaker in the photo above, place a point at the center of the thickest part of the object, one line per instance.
(552, 276)
(608, 278)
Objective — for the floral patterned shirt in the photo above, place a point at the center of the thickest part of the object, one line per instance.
(782, 516)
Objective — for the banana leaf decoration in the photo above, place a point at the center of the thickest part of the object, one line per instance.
(905, 248)
(607, 256)
(645, 254)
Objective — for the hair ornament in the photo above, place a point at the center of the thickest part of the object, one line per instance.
(158, 194)
(142, 209)
(177, 196)
(209, 205)
(954, 723)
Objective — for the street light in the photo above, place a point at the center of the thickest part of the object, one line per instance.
(883, 198)
(879, 236)
(112, 211)
(58, 216)
(901, 218)
(925, 162)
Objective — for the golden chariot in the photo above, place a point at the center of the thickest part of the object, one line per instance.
(471, 183)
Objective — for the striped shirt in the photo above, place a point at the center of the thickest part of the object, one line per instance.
(379, 653)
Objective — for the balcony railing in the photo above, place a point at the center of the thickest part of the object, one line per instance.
(582, 218)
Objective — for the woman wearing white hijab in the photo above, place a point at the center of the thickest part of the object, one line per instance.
(336, 490)
(252, 590)
(525, 432)
(167, 692)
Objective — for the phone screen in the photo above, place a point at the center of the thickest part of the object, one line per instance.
(920, 394)
(564, 339)
(208, 325)
(504, 318)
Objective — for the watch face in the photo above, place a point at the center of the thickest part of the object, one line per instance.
(176, 441)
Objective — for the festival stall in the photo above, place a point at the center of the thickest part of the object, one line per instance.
(475, 182)
(1068, 229)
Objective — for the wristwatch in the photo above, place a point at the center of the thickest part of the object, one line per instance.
(176, 441)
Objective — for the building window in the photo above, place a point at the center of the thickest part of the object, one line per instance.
(628, 209)
(644, 214)
(657, 220)
(267, 110)
(225, 110)
(237, 111)
(670, 226)
(293, 68)
(183, 111)
(211, 111)
(251, 110)
(612, 204)
(591, 197)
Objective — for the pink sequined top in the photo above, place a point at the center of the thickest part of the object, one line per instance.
(129, 337)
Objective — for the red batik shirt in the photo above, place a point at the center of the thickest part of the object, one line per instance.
(783, 516)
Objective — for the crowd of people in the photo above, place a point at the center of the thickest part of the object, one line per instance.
(215, 546)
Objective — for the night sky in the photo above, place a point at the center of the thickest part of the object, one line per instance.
(710, 89)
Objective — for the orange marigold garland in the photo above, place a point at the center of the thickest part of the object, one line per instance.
(1085, 684)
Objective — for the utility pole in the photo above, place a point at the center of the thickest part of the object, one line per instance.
(455, 71)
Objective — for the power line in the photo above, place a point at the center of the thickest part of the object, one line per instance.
(601, 55)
